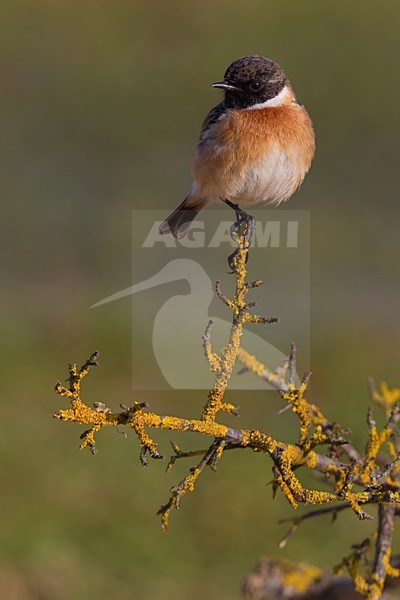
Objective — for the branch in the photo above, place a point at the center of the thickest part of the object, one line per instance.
(356, 478)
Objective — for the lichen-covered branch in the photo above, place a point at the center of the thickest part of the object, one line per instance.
(370, 583)
(223, 364)
(212, 455)
(281, 579)
(382, 566)
(359, 479)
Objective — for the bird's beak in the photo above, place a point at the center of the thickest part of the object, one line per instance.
(225, 86)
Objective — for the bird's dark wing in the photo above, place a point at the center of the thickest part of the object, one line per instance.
(215, 114)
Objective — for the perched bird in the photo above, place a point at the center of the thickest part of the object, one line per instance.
(255, 146)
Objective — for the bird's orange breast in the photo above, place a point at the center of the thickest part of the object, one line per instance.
(246, 138)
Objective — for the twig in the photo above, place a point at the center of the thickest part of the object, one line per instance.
(187, 484)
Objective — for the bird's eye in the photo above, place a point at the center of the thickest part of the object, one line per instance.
(255, 86)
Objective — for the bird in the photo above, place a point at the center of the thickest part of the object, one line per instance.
(256, 146)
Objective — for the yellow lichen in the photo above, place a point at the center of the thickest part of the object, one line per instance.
(375, 442)
(387, 397)
(299, 577)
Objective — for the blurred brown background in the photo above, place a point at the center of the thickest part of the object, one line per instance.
(101, 106)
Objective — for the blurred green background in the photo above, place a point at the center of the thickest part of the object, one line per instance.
(101, 106)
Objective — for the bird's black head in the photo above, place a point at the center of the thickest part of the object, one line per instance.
(252, 80)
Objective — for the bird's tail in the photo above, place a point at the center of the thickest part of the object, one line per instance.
(178, 222)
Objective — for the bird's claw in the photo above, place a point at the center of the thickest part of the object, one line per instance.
(244, 226)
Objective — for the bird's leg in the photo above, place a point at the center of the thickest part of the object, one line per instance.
(243, 226)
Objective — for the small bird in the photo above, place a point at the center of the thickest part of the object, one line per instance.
(255, 146)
